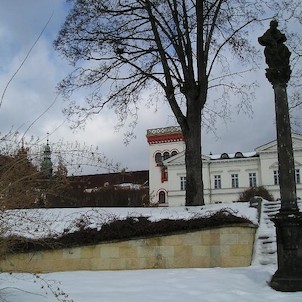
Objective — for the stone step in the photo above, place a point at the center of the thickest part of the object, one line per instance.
(263, 237)
(271, 214)
(266, 210)
(267, 262)
(271, 209)
(272, 206)
(267, 242)
(271, 252)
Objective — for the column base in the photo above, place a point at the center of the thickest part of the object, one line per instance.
(288, 277)
(287, 281)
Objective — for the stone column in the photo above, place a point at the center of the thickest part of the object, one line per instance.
(288, 221)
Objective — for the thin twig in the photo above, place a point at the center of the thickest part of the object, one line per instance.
(24, 60)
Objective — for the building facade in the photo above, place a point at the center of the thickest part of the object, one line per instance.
(225, 176)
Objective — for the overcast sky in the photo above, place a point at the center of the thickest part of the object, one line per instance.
(32, 91)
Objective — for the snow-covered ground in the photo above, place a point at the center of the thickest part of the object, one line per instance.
(181, 285)
(248, 284)
(38, 223)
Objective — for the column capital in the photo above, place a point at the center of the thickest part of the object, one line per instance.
(278, 76)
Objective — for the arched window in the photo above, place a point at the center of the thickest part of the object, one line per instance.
(166, 155)
(162, 197)
(158, 158)
(174, 153)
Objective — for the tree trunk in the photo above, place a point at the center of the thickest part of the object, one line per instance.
(193, 160)
(194, 184)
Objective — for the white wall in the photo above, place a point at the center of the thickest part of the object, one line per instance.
(262, 162)
(155, 183)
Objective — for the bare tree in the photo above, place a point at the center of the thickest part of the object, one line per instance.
(122, 48)
(24, 183)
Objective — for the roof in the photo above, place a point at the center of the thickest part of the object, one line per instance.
(272, 145)
(233, 155)
(164, 135)
(179, 159)
(99, 180)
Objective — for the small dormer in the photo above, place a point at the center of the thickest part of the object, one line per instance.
(224, 156)
(239, 155)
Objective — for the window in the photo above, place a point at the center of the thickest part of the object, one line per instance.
(164, 174)
(252, 179)
(162, 197)
(174, 153)
(166, 155)
(158, 158)
(297, 176)
(276, 177)
(217, 181)
(183, 183)
(235, 181)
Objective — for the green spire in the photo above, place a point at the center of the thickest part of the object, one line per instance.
(46, 165)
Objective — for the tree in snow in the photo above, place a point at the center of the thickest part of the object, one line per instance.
(178, 49)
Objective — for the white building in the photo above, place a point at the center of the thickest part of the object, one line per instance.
(225, 176)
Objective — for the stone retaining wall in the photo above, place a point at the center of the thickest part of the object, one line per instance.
(230, 246)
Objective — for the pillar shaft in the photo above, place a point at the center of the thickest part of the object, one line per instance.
(286, 161)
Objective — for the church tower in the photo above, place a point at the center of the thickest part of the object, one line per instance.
(46, 165)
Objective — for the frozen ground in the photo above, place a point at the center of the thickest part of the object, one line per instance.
(181, 285)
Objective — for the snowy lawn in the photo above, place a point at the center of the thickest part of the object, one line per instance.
(181, 285)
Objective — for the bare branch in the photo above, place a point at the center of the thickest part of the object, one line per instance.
(24, 60)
